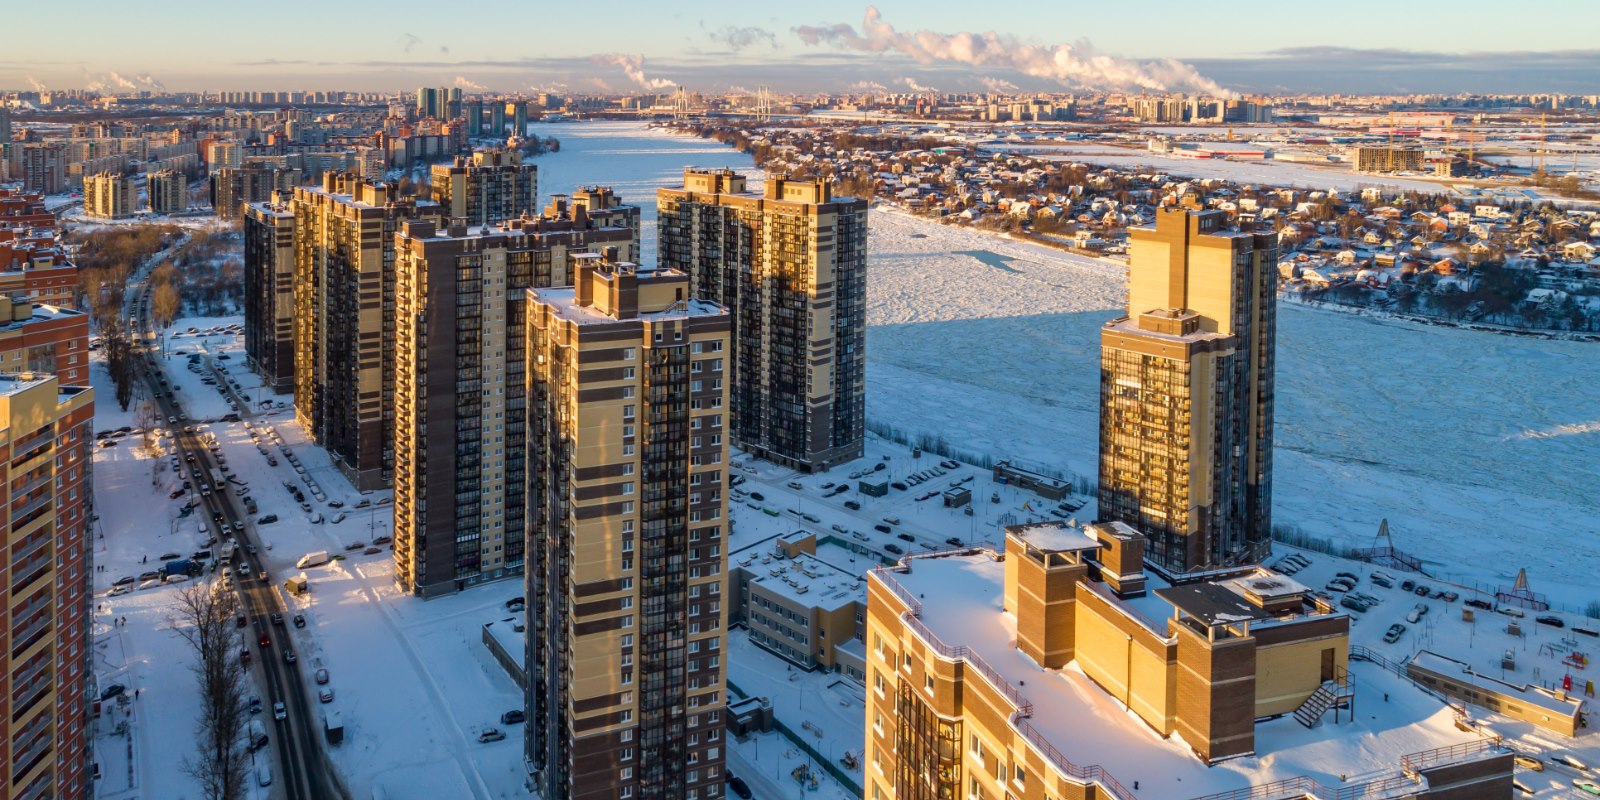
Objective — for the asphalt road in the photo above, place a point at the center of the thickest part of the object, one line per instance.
(300, 770)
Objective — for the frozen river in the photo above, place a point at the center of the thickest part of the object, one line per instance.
(1482, 450)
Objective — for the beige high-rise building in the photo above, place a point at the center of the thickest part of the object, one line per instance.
(110, 195)
(491, 186)
(790, 264)
(627, 507)
(1186, 392)
(168, 191)
(46, 662)
(460, 392)
(344, 319)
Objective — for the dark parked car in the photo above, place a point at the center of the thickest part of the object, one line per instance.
(904, 537)
(513, 717)
(882, 528)
(112, 691)
(953, 542)
(893, 549)
(852, 505)
(1552, 621)
(898, 485)
(299, 620)
(1481, 604)
(739, 787)
(757, 496)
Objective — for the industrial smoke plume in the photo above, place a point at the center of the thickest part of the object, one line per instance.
(468, 84)
(1075, 64)
(633, 66)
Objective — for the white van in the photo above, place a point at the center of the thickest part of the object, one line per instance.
(313, 559)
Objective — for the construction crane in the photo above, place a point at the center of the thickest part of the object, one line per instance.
(763, 104)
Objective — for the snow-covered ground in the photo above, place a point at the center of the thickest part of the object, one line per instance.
(1267, 172)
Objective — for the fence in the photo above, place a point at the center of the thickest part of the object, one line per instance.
(831, 768)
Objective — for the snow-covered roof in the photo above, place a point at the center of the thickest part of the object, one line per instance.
(960, 598)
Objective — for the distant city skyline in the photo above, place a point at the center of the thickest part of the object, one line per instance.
(829, 45)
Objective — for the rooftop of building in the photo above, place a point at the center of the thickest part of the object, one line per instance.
(804, 580)
(1053, 537)
(1130, 325)
(959, 599)
(14, 383)
(564, 300)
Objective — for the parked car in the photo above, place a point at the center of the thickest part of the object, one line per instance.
(1393, 634)
(904, 537)
(255, 703)
(899, 485)
(325, 694)
(893, 549)
(852, 505)
(299, 620)
(953, 541)
(1551, 620)
(1481, 604)
(739, 787)
(757, 496)
(513, 717)
(1528, 762)
(321, 676)
(1407, 585)
(490, 735)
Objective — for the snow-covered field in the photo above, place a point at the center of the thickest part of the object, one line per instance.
(1253, 171)
(628, 158)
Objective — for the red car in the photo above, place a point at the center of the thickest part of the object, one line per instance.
(266, 640)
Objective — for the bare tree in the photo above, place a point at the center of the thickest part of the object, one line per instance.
(164, 297)
(205, 619)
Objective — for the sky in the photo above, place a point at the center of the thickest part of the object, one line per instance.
(819, 45)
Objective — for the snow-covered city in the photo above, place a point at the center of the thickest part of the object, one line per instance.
(761, 421)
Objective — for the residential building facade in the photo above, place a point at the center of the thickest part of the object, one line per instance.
(790, 264)
(269, 291)
(344, 319)
(491, 186)
(45, 655)
(1186, 393)
(168, 191)
(461, 289)
(110, 195)
(627, 414)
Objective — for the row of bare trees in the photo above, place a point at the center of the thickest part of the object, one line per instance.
(204, 618)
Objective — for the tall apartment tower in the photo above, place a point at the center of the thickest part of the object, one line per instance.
(344, 312)
(519, 118)
(497, 119)
(1186, 393)
(790, 264)
(269, 291)
(627, 410)
(474, 111)
(109, 195)
(168, 190)
(460, 393)
(45, 655)
(491, 186)
(43, 167)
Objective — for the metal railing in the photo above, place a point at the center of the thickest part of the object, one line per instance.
(1414, 763)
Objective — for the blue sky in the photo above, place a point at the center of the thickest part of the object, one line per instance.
(1424, 45)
